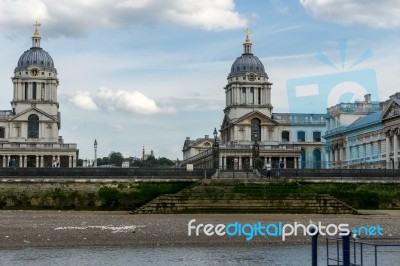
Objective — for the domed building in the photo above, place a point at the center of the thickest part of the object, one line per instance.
(251, 135)
(29, 132)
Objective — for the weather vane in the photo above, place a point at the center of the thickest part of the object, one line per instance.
(37, 25)
(248, 32)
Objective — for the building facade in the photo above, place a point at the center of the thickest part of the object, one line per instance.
(29, 132)
(251, 135)
(364, 134)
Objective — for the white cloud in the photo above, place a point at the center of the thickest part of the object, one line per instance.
(83, 100)
(110, 100)
(375, 14)
(77, 17)
(118, 127)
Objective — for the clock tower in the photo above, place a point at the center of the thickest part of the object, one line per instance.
(35, 80)
(30, 132)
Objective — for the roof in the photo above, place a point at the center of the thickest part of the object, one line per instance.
(35, 56)
(247, 63)
(365, 121)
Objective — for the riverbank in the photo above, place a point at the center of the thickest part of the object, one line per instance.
(23, 229)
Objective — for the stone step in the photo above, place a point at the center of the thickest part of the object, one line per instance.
(242, 210)
(233, 199)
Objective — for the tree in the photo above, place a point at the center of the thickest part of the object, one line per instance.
(152, 162)
(115, 158)
(102, 161)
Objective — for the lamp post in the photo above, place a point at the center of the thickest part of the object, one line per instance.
(95, 153)
(216, 150)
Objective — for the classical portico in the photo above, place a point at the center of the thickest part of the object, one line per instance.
(391, 129)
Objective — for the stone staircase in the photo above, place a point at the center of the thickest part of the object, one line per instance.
(236, 175)
(244, 199)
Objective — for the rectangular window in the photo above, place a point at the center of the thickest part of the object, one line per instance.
(2, 132)
(259, 96)
(34, 90)
(301, 136)
(42, 91)
(26, 90)
(251, 95)
(316, 136)
(243, 95)
(285, 136)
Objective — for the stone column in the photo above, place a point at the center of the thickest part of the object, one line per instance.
(387, 151)
(219, 165)
(251, 161)
(53, 160)
(74, 161)
(336, 157)
(25, 161)
(41, 161)
(295, 162)
(327, 160)
(224, 163)
(395, 150)
(20, 161)
(284, 162)
(8, 160)
(341, 161)
(70, 161)
(300, 163)
(37, 162)
(5, 164)
(240, 163)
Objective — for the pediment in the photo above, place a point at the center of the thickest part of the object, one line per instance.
(265, 120)
(226, 121)
(393, 110)
(23, 116)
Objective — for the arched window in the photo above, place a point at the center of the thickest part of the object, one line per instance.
(33, 126)
(317, 158)
(255, 129)
(285, 136)
(206, 145)
(2, 132)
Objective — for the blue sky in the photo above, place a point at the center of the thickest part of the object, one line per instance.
(137, 73)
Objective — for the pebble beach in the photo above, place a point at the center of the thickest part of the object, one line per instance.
(22, 229)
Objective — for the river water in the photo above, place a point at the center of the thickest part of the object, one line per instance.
(268, 255)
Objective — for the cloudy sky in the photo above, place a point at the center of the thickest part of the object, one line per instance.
(137, 73)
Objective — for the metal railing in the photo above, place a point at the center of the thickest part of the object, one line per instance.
(348, 251)
(92, 172)
(341, 174)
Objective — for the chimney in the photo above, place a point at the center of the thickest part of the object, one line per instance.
(187, 138)
(367, 98)
(206, 136)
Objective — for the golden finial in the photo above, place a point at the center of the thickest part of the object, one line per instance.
(37, 24)
(248, 32)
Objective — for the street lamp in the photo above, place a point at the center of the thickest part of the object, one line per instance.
(95, 153)
(215, 149)
(215, 135)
